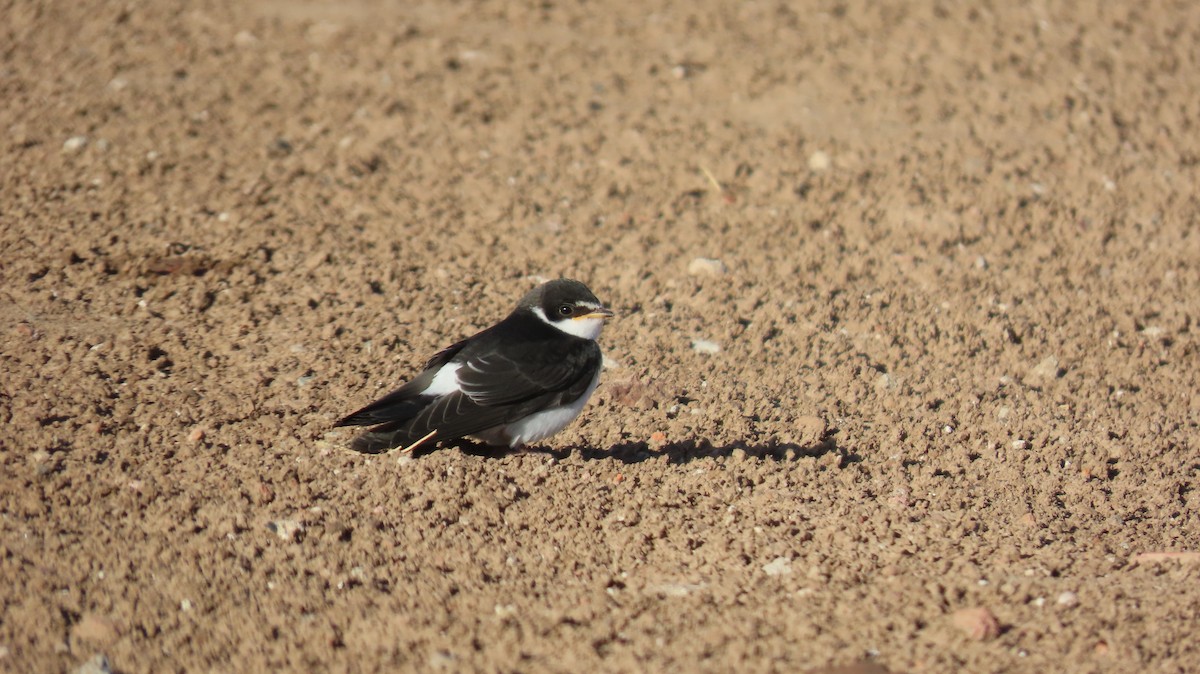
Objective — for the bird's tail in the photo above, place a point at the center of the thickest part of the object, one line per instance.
(377, 442)
(390, 436)
(392, 421)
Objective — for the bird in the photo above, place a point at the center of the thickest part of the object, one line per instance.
(513, 384)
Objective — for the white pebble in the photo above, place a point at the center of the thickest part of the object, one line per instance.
(286, 529)
(677, 589)
(778, 567)
(1068, 599)
(705, 346)
(75, 144)
(1046, 369)
(819, 161)
(505, 610)
(706, 266)
(884, 382)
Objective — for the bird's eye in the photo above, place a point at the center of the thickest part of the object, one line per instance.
(565, 310)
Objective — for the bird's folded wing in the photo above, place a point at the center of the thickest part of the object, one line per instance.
(524, 374)
(456, 415)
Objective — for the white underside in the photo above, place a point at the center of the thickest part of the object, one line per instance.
(539, 425)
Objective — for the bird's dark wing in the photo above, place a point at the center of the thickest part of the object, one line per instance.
(527, 370)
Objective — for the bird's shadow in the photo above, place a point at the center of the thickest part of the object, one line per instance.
(680, 452)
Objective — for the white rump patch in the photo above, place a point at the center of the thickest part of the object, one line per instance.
(444, 382)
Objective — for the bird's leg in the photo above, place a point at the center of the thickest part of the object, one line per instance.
(418, 443)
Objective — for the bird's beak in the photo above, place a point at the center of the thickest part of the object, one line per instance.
(598, 312)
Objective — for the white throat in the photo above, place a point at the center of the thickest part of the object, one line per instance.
(587, 328)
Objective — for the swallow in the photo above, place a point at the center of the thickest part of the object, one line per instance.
(513, 384)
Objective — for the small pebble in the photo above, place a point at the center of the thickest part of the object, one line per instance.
(288, 530)
(245, 38)
(633, 392)
(981, 262)
(196, 435)
(705, 346)
(1045, 370)
(706, 266)
(819, 161)
(885, 382)
(1068, 599)
(505, 610)
(75, 144)
(901, 498)
(780, 566)
(811, 430)
(676, 589)
(978, 623)
(264, 494)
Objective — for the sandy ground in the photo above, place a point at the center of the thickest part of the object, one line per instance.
(942, 416)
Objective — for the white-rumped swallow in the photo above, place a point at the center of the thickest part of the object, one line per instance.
(515, 383)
